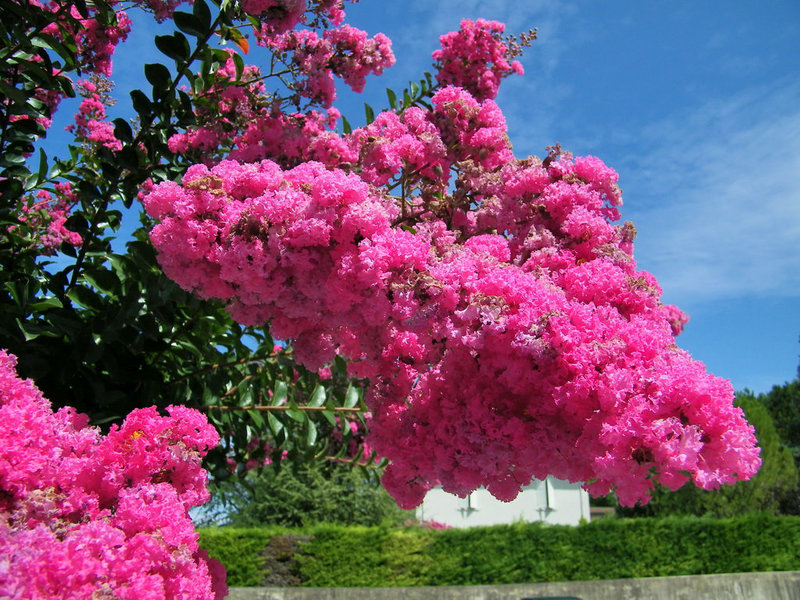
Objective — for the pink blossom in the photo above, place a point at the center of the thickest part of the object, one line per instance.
(83, 515)
(492, 358)
(475, 58)
(45, 219)
(493, 303)
(344, 52)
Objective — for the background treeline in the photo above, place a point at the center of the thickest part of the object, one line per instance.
(339, 556)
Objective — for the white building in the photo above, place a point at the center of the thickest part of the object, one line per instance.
(552, 501)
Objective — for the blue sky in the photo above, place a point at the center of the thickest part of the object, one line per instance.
(695, 104)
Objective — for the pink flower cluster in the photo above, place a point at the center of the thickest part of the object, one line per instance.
(492, 303)
(240, 116)
(95, 44)
(89, 516)
(428, 524)
(344, 52)
(492, 358)
(50, 98)
(95, 41)
(161, 9)
(45, 219)
(422, 145)
(279, 16)
(90, 124)
(419, 143)
(475, 58)
(292, 139)
(223, 111)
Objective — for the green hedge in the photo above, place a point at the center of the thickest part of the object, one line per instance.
(336, 556)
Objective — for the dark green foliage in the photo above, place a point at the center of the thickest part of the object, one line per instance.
(305, 494)
(783, 403)
(336, 556)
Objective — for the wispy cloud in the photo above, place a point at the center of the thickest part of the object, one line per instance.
(715, 195)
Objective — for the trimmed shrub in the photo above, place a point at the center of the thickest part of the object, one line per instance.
(339, 556)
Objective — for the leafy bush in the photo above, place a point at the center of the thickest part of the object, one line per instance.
(305, 494)
(337, 556)
(240, 550)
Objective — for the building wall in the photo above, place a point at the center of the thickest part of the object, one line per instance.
(552, 501)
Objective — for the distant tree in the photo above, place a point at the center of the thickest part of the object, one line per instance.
(304, 494)
(772, 490)
(783, 403)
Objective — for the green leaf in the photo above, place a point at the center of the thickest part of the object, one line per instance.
(85, 297)
(202, 13)
(296, 415)
(33, 181)
(279, 393)
(238, 63)
(370, 114)
(311, 433)
(80, 6)
(346, 128)
(392, 98)
(142, 105)
(317, 396)
(31, 331)
(359, 455)
(10, 159)
(123, 131)
(257, 418)
(104, 14)
(189, 23)
(158, 75)
(275, 425)
(352, 397)
(414, 88)
(12, 93)
(104, 280)
(175, 46)
(330, 416)
(42, 174)
(45, 304)
(246, 396)
(114, 219)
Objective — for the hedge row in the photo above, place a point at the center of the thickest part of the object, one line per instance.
(336, 556)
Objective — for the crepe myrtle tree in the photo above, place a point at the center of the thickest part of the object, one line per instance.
(479, 316)
(491, 304)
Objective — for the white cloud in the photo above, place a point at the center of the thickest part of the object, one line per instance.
(715, 194)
